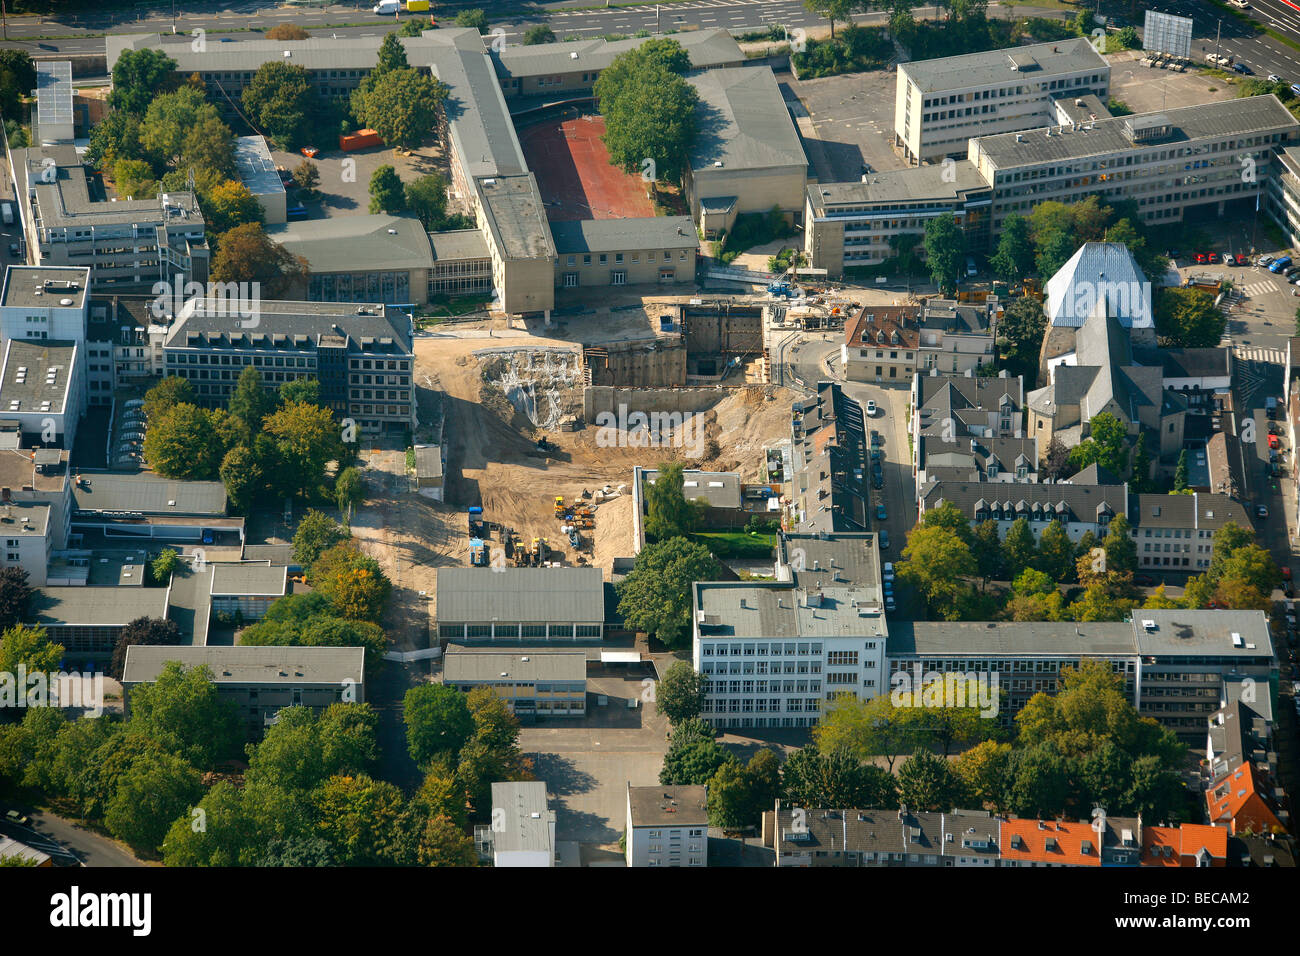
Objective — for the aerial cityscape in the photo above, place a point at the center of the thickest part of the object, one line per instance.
(711, 433)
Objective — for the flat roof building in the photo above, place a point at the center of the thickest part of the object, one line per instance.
(515, 605)
(939, 104)
(43, 389)
(522, 832)
(533, 683)
(256, 170)
(365, 258)
(667, 826)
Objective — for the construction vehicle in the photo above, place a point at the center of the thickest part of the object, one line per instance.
(544, 444)
(476, 528)
(478, 553)
(559, 506)
(575, 539)
(508, 542)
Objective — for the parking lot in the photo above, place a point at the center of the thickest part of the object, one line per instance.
(344, 188)
(1146, 89)
(853, 119)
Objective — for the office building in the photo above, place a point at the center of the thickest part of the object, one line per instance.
(533, 683)
(522, 832)
(521, 605)
(667, 826)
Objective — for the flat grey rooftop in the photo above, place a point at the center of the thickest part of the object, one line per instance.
(292, 325)
(744, 122)
(148, 495)
(1202, 633)
(265, 580)
(516, 216)
(95, 607)
(721, 489)
(256, 167)
(619, 235)
(53, 92)
(833, 560)
(1011, 639)
(458, 244)
(1035, 63)
(251, 665)
(918, 184)
(765, 610)
(521, 819)
(45, 287)
(36, 377)
(492, 665)
(706, 48)
(357, 243)
(1236, 117)
(560, 595)
(675, 806)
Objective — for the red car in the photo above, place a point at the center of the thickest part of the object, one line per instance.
(1201, 259)
(1214, 257)
(1274, 441)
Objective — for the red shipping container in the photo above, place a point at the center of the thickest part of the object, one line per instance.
(360, 140)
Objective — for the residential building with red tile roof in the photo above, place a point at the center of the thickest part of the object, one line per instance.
(1189, 845)
(1244, 802)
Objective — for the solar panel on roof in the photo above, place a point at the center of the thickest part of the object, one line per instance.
(54, 93)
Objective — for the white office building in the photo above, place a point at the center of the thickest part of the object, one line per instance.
(667, 826)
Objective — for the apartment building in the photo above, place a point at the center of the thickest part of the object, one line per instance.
(43, 390)
(828, 462)
(124, 343)
(818, 838)
(558, 71)
(969, 428)
(940, 104)
(522, 832)
(35, 507)
(605, 252)
(259, 681)
(541, 683)
(855, 224)
(1210, 156)
(1283, 194)
(775, 652)
(750, 159)
(667, 826)
(881, 344)
(361, 355)
(514, 605)
(126, 243)
(1176, 532)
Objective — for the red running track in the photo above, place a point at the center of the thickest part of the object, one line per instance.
(574, 175)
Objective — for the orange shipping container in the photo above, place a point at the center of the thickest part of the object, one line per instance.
(360, 140)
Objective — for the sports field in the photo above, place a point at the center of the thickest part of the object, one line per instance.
(574, 175)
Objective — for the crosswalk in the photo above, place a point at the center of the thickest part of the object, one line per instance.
(650, 8)
(1250, 353)
(1260, 288)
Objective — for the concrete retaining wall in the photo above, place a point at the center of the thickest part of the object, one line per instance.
(606, 398)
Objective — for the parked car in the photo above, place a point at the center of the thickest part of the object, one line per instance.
(1144, 580)
(888, 569)
(871, 408)
(880, 513)
(1293, 271)
(1286, 573)
(1278, 265)
(1274, 78)
(1264, 260)
(208, 537)
(884, 546)
(1274, 441)
(1202, 258)
(1214, 258)
(1173, 254)
(876, 440)
(13, 249)
(1243, 69)
(1274, 428)
(1261, 511)
(890, 606)
(13, 816)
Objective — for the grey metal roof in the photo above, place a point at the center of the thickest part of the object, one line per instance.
(45, 287)
(53, 92)
(16, 849)
(271, 553)
(721, 489)
(1227, 118)
(1097, 271)
(357, 243)
(744, 123)
(1035, 63)
(619, 235)
(1082, 503)
(925, 184)
(838, 560)
(975, 639)
(664, 806)
(251, 665)
(706, 48)
(1188, 363)
(1202, 633)
(516, 216)
(250, 580)
(560, 595)
(458, 244)
(37, 376)
(256, 167)
(280, 322)
(93, 606)
(522, 822)
(1201, 511)
(491, 665)
(758, 611)
(147, 494)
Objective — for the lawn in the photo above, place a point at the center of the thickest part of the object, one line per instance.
(736, 544)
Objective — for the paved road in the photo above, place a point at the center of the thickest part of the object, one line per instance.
(69, 842)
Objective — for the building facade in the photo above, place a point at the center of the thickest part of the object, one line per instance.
(667, 826)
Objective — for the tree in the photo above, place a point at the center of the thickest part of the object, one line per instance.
(1107, 445)
(317, 533)
(308, 438)
(114, 138)
(442, 843)
(1158, 600)
(865, 729)
(539, 33)
(1034, 597)
(165, 565)
(656, 596)
(15, 596)
(241, 473)
(983, 771)
(386, 193)
(693, 763)
(184, 444)
(927, 782)
(358, 817)
(1180, 472)
(986, 548)
(349, 490)
(168, 393)
(250, 402)
(182, 712)
(438, 722)
(29, 647)
(134, 179)
(1107, 597)
(230, 204)
(138, 77)
(1056, 460)
(287, 31)
(1021, 330)
(813, 779)
(246, 254)
(402, 107)
(353, 583)
(1188, 318)
(680, 694)
(300, 390)
(143, 630)
(945, 250)
(938, 564)
(209, 144)
(427, 198)
(306, 176)
(1140, 481)
(157, 788)
(668, 512)
(1056, 552)
(1054, 253)
(171, 118)
(475, 19)
(280, 100)
(649, 110)
(1019, 549)
(1014, 258)
(1121, 549)
(832, 10)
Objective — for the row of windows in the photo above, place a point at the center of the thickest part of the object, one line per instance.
(761, 705)
(761, 667)
(776, 650)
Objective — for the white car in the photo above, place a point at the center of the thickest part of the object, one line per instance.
(1274, 78)
(889, 570)
(1240, 4)
(871, 408)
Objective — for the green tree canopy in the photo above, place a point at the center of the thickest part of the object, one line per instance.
(656, 596)
(438, 722)
(138, 77)
(680, 694)
(280, 100)
(945, 250)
